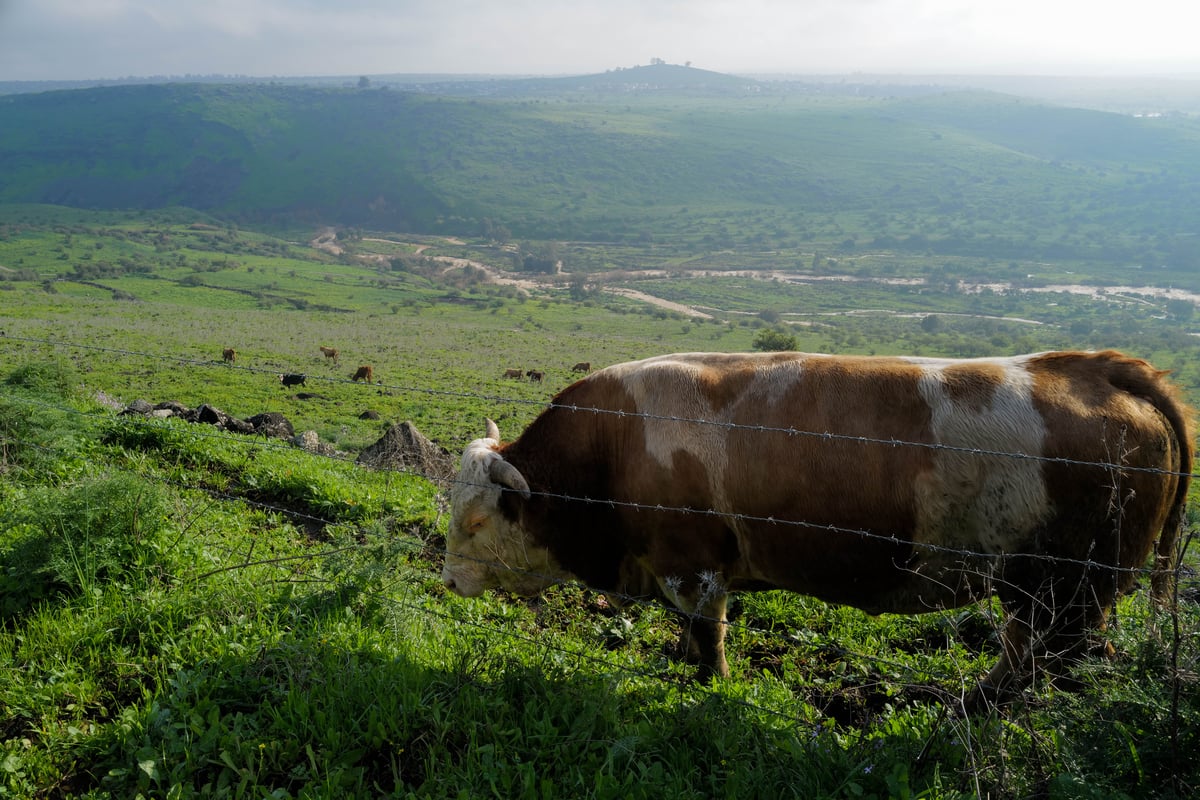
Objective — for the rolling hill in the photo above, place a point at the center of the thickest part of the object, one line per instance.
(659, 152)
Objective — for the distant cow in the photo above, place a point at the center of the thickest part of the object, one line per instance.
(292, 379)
(330, 352)
(513, 373)
(229, 354)
(535, 375)
(582, 366)
(895, 485)
(364, 373)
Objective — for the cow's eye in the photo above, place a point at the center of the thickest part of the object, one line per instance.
(475, 524)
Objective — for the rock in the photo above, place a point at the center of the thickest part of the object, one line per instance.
(175, 407)
(271, 423)
(308, 440)
(137, 407)
(405, 448)
(368, 414)
(211, 415)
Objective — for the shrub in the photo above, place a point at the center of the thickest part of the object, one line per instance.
(73, 540)
(45, 377)
(773, 339)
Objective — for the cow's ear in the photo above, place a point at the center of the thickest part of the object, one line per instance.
(493, 430)
(505, 474)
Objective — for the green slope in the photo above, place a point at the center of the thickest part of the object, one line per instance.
(958, 172)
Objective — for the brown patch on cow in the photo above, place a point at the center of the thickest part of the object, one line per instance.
(724, 385)
(838, 481)
(972, 384)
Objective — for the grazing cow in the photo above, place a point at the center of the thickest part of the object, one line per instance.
(582, 366)
(330, 352)
(364, 373)
(513, 373)
(895, 485)
(229, 354)
(292, 379)
(535, 375)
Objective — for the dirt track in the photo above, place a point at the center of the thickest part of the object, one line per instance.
(326, 240)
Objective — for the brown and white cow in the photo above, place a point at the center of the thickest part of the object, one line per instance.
(895, 485)
(582, 366)
(229, 354)
(364, 373)
(330, 353)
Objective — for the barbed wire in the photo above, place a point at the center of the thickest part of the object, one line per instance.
(732, 516)
(723, 424)
(242, 562)
(961, 552)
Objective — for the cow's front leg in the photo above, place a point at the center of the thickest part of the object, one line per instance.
(703, 607)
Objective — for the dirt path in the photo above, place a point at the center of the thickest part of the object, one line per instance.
(326, 239)
(657, 301)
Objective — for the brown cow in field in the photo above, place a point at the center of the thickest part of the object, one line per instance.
(582, 366)
(513, 373)
(895, 485)
(229, 355)
(535, 375)
(364, 373)
(330, 352)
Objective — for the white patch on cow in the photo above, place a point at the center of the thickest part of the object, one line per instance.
(667, 391)
(774, 379)
(986, 501)
(670, 387)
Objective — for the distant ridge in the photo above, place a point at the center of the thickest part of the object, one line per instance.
(658, 78)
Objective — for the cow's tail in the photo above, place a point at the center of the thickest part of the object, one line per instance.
(1139, 378)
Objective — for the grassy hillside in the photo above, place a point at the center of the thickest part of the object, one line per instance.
(186, 612)
(953, 174)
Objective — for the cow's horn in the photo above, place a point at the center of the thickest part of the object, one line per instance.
(493, 431)
(505, 474)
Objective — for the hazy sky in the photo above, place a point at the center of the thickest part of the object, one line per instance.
(80, 39)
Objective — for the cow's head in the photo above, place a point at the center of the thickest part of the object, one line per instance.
(486, 546)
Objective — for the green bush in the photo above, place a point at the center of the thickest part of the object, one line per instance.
(773, 339)
(76, 539)
(57, 378)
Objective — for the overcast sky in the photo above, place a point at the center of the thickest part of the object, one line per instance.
(86, 39)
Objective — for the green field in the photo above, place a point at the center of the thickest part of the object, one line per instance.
(191, 613)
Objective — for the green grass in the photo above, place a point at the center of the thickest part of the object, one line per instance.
(190, 613)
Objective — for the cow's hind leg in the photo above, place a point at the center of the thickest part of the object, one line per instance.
(1048, 621)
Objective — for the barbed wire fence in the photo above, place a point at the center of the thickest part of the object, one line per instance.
(240, 561)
